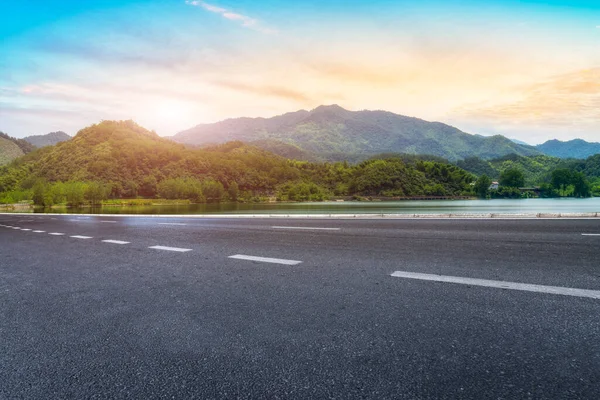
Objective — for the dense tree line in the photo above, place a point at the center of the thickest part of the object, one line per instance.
(564, 182)
(578, 178)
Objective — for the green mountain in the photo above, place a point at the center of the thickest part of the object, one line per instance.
(49, 139)
(8, 150)
(333, 133)
(120, 159)
(576, 148)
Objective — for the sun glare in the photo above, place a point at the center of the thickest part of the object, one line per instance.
(171, 111)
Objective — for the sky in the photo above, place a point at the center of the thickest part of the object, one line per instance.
(528, 69)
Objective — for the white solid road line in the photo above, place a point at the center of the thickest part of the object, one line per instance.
(171, 223)
(38, 231)
(166, 248)
(115, 241)
(56, 234)
(590, 234)
(81, 237)
(306, 228)
(594, 294)
(265, 259)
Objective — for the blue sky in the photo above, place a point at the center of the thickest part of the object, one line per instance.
(526, 69)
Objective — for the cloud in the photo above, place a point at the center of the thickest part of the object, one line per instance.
(567, 101)
(273, 91)
(244, 20)
(353, 72)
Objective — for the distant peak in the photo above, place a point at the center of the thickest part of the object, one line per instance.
(332, 107)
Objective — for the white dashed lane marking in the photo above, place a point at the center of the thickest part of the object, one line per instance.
(109, 222)
(166, 248)
(305, 228)
(81, 237)
(527, 287)
(56, 234)
(115, 241)
(590, 234)
(265, 259)
(25, 229)
(171, 223)
(38, 231)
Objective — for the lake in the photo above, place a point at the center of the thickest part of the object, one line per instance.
(503, 206)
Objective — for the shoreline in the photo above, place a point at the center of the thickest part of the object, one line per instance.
(588, 215)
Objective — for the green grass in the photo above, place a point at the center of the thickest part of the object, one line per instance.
(144, 202)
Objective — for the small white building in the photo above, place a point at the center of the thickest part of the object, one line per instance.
(494, 185)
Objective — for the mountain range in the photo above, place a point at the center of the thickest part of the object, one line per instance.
(121, 159)
(11, 148)
(331, 133)
(576, 148)
(49, 139)
(334, 133)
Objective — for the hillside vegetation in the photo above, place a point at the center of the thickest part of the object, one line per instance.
(333, 133)
(540, 171)
(120, 159)
(575, 148)
(8, 151)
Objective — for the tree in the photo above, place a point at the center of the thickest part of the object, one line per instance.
(512, 177)
(581, 187)
(482, 186)
(148, 187)
(95, 192)
(75, 193)
(233, 191)
(213, 190)
(561, 179)
(39, 190)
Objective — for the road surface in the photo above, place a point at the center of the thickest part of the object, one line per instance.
(140, 307)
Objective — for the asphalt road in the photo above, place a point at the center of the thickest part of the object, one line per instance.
(102, 312)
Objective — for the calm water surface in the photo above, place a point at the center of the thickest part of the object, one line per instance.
(387, 207)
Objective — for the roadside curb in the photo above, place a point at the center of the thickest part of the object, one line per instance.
(334, 216)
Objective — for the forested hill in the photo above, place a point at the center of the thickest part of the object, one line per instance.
(127, 161)
(8, 151)
(576, 148)
(48, 139)
(333, 132)
(537, 169)
(11, 148)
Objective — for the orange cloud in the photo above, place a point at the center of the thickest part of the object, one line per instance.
(571, 99)
(275, 91)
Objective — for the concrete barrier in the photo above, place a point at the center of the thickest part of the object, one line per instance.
(513, 216)
(472, 216)
(548, 215)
